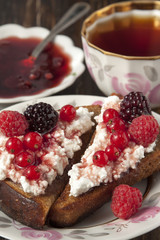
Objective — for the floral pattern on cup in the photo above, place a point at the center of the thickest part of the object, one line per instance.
(112, 75)
(136, 82)
(85, 47)
(154, 95)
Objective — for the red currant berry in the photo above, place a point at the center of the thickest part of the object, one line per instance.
(120, 139)
(14, 145)
(112, 152)
(24, 159)
(115, 124)
(33, 141)
(67, 113)
(100, 158)
(109, 114)
(32, 173)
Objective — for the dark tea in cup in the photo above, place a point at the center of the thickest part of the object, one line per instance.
(135, 33)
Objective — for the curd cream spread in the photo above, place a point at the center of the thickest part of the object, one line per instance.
(85, 175)
(58, 146)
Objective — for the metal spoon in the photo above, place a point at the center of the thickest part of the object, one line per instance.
(72, 15)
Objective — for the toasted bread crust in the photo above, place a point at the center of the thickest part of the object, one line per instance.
(69, 210)
(30, 210)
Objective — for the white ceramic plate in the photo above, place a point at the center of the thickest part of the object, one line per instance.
(76, 54)
(102, 224)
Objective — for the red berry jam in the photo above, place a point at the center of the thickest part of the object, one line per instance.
(22, 75)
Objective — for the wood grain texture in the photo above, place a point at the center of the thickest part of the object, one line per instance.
(46, 13)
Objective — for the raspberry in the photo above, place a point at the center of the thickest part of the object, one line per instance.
(144, 130)
(134, 105)
(12, 123)
(126, 201)
(42, 117)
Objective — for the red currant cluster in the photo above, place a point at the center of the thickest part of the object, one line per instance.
(119, 138)
(25, 158)
(24, 153)
(143, 131)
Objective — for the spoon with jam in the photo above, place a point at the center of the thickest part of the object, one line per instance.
(70, 17)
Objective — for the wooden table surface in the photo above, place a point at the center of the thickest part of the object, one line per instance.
(45, 13)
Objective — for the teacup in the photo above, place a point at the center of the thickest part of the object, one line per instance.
(133, 65)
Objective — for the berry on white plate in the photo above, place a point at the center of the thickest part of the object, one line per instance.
(126, 201)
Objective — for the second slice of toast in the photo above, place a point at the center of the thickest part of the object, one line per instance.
(70, 209)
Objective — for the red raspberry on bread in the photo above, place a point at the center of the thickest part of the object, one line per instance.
(126, 201)
(144, 130)
(12, 123)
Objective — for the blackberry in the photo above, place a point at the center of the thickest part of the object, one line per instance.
(134, 105)
(42, 117)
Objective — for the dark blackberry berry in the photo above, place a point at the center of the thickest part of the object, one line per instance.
(42, 117)
(134, 105)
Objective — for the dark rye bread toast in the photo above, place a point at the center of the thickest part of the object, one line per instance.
(69, 210)
(33, 210)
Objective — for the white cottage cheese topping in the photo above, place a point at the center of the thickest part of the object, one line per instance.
(85, 175)
(58, 147)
